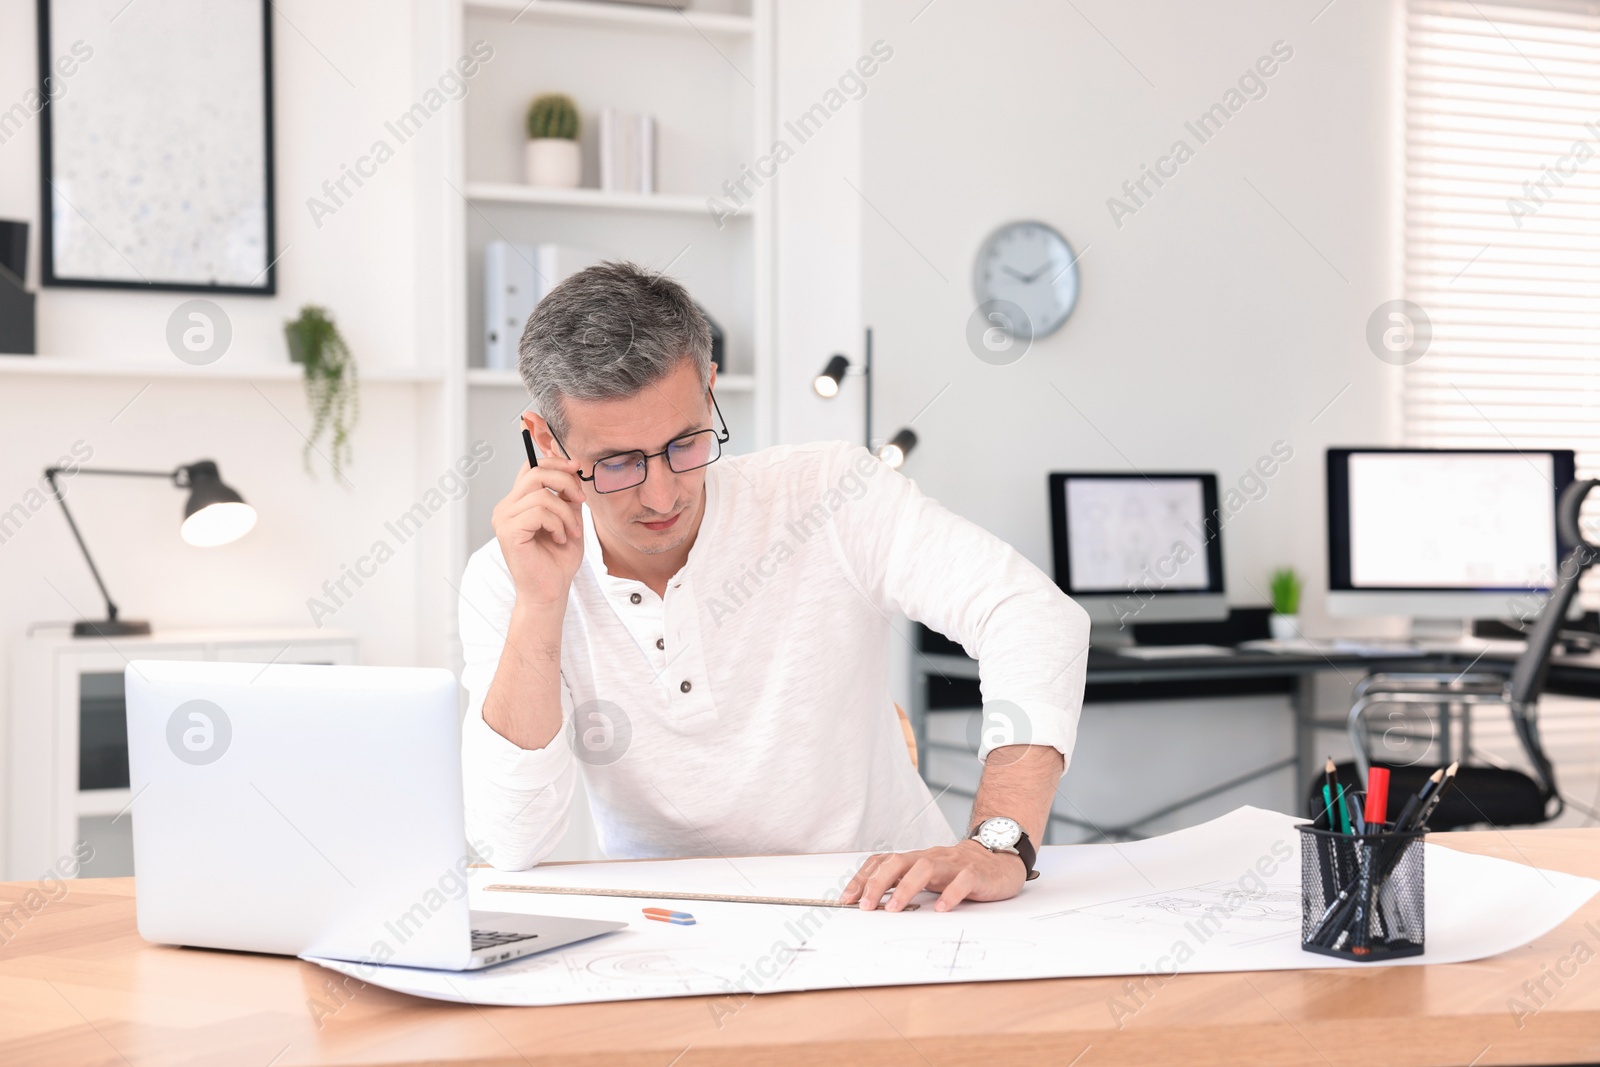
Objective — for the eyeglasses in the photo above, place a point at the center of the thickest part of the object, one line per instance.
(624, 470)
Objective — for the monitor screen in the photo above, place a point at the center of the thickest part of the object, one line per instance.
(1120, 532)
(1444, 520)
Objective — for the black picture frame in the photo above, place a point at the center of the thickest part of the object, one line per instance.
(49, 276)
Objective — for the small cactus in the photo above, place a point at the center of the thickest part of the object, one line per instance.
(553, 115)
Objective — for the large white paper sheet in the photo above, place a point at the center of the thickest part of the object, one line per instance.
(1222, 896)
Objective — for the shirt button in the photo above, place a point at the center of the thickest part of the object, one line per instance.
(635, 598)
(661, 643)
(684, 687)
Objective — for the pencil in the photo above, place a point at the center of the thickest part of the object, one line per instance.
(1330, 785)
(527, 440)
(1402, 822)
(1432, 803)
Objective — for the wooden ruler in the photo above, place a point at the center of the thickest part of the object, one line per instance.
(721, 898)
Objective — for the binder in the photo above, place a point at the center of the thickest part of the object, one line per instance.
(515, 278)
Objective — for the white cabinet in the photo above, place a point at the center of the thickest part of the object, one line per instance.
(67, 742)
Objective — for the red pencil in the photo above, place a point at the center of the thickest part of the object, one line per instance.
(1377, 797)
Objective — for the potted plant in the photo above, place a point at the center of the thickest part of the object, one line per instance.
(552, 160)
(1285, 618)
(331, 388)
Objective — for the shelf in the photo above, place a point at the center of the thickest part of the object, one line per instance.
(615, 14)
(171, 367)
(103, 801)
(499, 379)
(667, 203)
(509, 379)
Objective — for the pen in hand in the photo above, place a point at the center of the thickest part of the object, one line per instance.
(527, 439)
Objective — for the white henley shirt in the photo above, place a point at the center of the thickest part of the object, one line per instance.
(748, 711)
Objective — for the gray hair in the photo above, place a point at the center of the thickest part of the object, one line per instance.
(606, 333)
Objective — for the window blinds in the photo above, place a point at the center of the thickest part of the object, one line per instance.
(1502, 224)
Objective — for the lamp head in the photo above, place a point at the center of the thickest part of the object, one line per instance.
(215, 514)
(897, 448)
(826, 384)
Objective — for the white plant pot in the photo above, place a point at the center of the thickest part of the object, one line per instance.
(553, 163)
(1284, 627)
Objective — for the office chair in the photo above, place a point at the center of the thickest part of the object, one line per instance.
(1494, 795)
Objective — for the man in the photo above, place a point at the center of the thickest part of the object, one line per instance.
(708, 635)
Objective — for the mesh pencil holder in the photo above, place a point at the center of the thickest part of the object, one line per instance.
(1361, 895)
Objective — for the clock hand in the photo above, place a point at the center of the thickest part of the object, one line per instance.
(1029, 279)
(1015, 275)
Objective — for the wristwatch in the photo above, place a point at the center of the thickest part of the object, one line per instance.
(1001, 834)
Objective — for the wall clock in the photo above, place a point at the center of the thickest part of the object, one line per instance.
(1032, 266)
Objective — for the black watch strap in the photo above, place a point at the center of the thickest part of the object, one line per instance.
(1029, 855)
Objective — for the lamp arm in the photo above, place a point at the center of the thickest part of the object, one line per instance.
(50, 475)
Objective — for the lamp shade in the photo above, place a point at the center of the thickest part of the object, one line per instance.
(898, 447)
(215, 514)
(826, 384)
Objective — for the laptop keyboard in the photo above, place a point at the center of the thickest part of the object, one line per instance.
(494, 938)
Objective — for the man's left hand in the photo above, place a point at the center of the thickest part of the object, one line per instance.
(967, 871)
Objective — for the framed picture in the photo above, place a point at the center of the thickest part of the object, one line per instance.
(155, 146)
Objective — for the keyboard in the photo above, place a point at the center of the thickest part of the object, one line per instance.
(1170, 651)
(495, 938)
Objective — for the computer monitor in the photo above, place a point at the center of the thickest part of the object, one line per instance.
(1443, 535)
(1134, 548)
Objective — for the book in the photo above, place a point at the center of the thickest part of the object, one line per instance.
(627, 151)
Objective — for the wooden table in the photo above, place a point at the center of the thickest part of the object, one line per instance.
(78, 986)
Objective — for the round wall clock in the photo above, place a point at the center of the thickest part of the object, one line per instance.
(1032, 266)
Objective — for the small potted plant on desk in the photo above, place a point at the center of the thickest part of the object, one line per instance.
(1285, 618)
(552, 160)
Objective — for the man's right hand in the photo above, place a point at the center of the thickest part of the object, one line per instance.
(539, 525)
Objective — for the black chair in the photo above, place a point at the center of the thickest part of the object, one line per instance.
(1494, 795)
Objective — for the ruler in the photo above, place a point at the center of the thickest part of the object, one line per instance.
(721, 898)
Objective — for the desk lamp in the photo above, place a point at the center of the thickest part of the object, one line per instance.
(214, 515)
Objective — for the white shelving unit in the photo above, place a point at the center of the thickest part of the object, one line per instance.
(706, 74)
(509, 193)
(620, 15)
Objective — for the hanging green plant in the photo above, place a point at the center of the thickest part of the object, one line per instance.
(331, 387)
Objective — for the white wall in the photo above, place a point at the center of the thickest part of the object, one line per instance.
(819, 221)
(341, 71)
(1208, 328)
(1223, 316)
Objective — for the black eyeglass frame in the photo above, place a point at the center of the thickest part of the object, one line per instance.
(721, 436)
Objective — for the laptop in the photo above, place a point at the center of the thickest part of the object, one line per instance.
(311, 811)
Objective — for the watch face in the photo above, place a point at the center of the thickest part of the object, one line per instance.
(999, 833)
(1033, 267)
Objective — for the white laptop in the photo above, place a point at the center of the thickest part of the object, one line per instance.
(311, 810)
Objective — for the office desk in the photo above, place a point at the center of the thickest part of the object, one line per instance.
(78, 986)
(945, 679)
